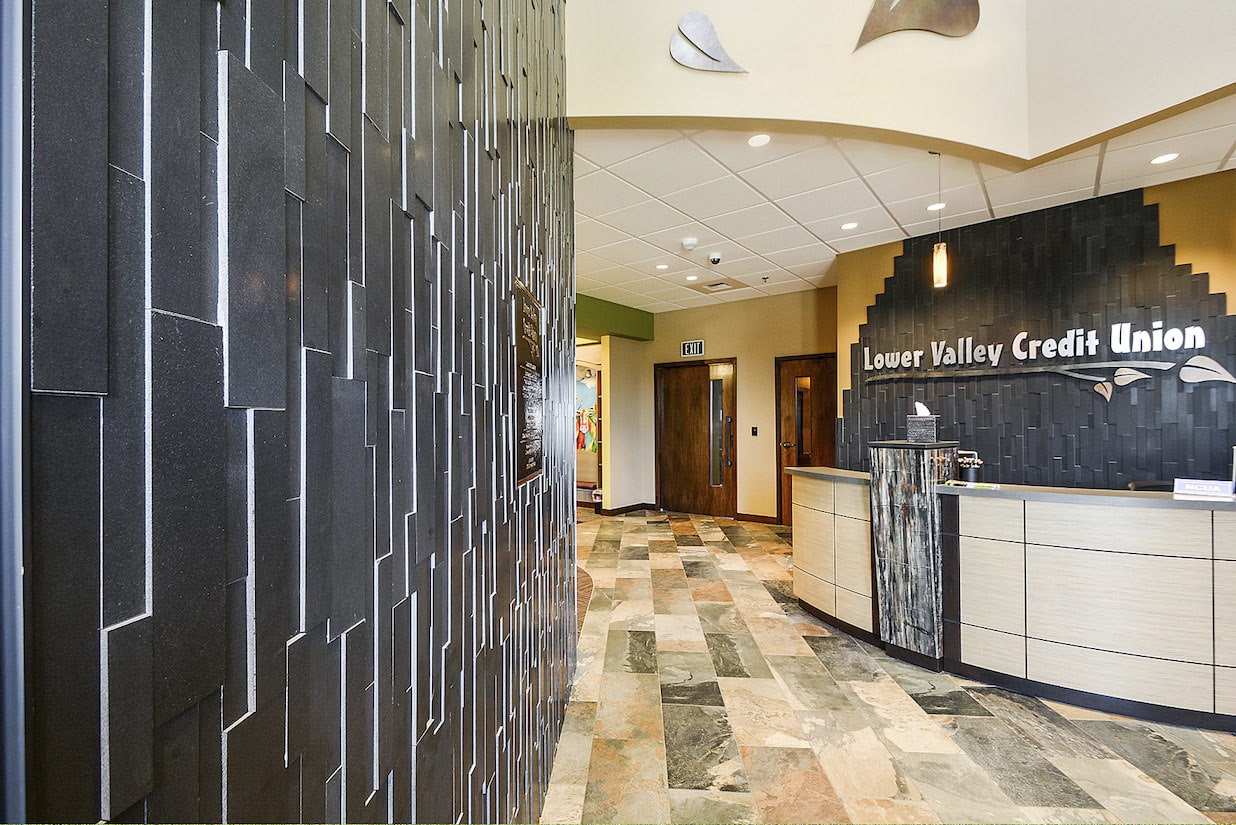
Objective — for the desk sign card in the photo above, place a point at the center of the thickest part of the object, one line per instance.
(1202, 487)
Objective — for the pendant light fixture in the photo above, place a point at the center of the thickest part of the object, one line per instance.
(939, 255)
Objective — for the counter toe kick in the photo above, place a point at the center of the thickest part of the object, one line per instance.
(1119, 601)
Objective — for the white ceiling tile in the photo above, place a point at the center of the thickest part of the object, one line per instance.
(629, 252)
(590, 233)
(868, 239)
(671, 292)
(649, 216)
(870, 157)
(697, 300)
(774, 276)
(763, 217)
(791, 237)
(610, 293)
(963, 201)
(606, 146)
(922, 179)
(732, 149)
(1035, 204)
(796, 285)
(813, 169)
(1042, 181)
(836, 201)
(670, 168)
(868, 220)
(714, 198)
(1110, 186)
(750, 265)
(671, 239)
(617, 276)
(583, 166)
(733, 295)
(816, 253)
(587, 264)
(660, 306)
(601, 192)
(1211, 116)
(926, 227)
(828, 278)
(1197, 150)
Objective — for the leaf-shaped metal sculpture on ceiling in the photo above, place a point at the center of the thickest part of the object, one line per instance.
(1200, 368)
(697, 46)
(951, 18)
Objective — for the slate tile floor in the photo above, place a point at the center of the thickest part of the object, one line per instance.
(704, 694)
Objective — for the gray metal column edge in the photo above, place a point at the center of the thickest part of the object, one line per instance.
(12, 412)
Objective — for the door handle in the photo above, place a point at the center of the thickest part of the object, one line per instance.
(788, 444)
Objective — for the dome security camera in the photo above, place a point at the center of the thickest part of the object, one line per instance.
(714, 258)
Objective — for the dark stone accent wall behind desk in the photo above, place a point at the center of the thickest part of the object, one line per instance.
(1084, 265)
(280, 568)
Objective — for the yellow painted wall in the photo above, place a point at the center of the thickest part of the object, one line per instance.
(860, 278)
(1198, 215)
(755, 332)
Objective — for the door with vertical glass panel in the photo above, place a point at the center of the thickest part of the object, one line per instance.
(695, 438)
(806, 419)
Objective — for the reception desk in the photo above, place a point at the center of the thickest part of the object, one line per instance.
(1113, 599)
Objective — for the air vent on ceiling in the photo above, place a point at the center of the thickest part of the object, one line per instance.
(717, 287)
(715, 284)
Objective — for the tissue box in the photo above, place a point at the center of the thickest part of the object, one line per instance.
(921, 428)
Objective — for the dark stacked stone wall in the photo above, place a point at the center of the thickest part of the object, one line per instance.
(280, 567)
(1086, 265)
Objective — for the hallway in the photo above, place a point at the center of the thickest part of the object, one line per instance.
(704, 694)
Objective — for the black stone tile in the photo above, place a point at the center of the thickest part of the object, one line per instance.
(315, 26)
(845, 659)
(210, 759)
(736, 655)
(351, 567)
(1017, 767)
(317, 505)
(126, 24)
(68, 197)
(274, 555)
(178, 281)
(294, 95)
(208, 62)
(339, 69)
(266, 42)
(700, 751)
(188, 438)
(336, 265)
(378, 209)
(376, 58)
(255, 772)
(236, 699)
(128, 772)
(63, 654)
(124, 408)
(255, 273)
(176, 796)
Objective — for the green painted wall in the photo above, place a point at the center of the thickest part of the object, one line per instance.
(594, 318)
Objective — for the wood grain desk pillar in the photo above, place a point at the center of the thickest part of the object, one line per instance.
(905, 531)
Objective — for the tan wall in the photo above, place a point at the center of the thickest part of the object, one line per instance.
(754, 332)
(1198, 215)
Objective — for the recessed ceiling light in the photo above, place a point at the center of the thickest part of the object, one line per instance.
(693, 277)
(849, 226)
(758, 140)
(936, 207)
(662, 266)
(1168, 158)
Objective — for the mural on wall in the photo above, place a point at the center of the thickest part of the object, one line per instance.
(696, 45)
(1069, 349)
(951, 18)
(586, 430)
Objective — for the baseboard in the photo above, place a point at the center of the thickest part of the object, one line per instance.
(622, 511)
(757, 519)
(853, 630)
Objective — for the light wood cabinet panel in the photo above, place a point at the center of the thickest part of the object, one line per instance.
(990, 649)
(813, 542)
(819, 594)
(815, 493)
(1177, 684)
(992, 518)
(1225, 613)
(993, 584)
(1225, 534)
(1146, 605)
(1158, 531)
(853, 500)
(1225, 690)
(854, 608)
(853, 554)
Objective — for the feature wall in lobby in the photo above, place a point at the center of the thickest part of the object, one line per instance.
(1068, 349)
(280, 567)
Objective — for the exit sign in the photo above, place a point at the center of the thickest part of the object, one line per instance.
(692, 348)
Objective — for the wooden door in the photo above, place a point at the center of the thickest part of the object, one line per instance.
(806, 419)
(697, 469)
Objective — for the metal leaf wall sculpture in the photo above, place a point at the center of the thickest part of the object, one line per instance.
(696, 46)
(951, 18)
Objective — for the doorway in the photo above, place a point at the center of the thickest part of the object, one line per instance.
(697, 469)
(806, 419)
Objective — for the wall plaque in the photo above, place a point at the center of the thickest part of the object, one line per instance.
(529, 385)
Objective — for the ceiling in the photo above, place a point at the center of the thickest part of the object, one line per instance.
(775, 214)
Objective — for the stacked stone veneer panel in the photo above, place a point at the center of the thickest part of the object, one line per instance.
(1085, 265)
(279, 565)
